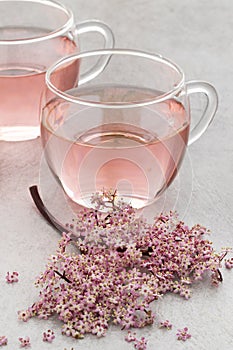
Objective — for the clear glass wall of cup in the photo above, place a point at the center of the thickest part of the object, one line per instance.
(33, 35)
(126, 130)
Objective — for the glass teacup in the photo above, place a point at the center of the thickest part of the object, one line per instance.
(33, 35)
(125, 131)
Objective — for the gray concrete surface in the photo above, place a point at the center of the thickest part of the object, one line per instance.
(197, 35)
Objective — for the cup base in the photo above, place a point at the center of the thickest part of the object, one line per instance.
(19, 133)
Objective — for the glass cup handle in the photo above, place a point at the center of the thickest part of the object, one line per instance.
(102, 28)
(193, 87)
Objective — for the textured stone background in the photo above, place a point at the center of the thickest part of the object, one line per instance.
(198, 36)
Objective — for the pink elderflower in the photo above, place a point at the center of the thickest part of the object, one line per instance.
(185, 292)
(182, 334)
(130, 337)
(229, 263)
(48, 336)
(140, 344)
(12, 277)
(165, 324)
(24, 342)
(3, 340)
(24, 315)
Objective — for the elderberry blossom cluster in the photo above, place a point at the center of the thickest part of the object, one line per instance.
(122, 265)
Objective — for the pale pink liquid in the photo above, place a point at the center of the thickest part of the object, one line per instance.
(138, 159)
(22, 81)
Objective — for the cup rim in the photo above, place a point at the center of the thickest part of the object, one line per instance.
(117, 51)
(57, 32)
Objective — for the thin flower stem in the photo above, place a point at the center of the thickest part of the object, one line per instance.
(63, 276)
(45, 212)
(219, 277)
(223, 256)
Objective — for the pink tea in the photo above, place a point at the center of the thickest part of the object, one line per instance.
(136, 151)
(22, 81)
